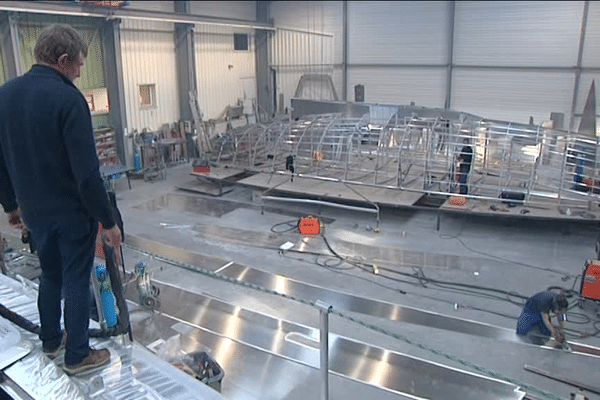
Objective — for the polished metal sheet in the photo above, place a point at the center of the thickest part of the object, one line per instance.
(250, 373)
(365, 363)
(133, 373)
(340, 301)
(386, 255)
(173, 253)
(346, 302)
(12, 347)
(195, 204)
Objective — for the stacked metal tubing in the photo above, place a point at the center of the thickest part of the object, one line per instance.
(410, 152)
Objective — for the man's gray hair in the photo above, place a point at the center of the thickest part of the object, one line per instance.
(56, 40)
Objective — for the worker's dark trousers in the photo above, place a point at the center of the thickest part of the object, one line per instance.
(463, 174)
(66, 252)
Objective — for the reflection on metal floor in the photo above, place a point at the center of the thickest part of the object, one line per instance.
(133, 373)
(339, 301)
(368, 364)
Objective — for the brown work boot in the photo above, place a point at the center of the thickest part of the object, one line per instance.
(95, 358)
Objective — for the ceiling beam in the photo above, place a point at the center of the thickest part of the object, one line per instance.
(86, 10)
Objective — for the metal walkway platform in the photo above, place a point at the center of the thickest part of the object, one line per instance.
(133, 373)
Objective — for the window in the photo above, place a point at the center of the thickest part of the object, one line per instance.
(148, 95)
(240, 41)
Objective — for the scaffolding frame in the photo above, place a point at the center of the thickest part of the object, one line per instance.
(399, 148)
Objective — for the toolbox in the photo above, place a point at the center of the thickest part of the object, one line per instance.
(203, 367)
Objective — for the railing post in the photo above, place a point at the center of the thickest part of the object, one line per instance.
(324, 311)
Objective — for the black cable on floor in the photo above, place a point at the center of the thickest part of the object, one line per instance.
(341, 260)
(293, 224)
(423, 280)
(567, 276)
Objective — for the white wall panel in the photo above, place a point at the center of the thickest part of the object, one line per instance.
(148, 54)
(512, 95)
(517, 33)
(424, 86)
(294, 54)
(591, 46)
(151, 5)
(313, 16)
(398, 32)
(222, 72)
(245, 10)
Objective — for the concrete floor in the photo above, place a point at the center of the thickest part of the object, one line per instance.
(509, 254)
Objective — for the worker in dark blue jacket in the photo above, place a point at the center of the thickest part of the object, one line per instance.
(465, 159)
(50, 183)
(535, 324)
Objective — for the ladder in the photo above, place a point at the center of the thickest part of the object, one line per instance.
(202, 140)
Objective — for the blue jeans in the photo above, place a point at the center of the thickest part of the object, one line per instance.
(66, 252)
(528, 319)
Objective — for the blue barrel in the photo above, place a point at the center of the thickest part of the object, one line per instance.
(106, 296)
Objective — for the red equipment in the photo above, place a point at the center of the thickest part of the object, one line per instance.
(590, 280)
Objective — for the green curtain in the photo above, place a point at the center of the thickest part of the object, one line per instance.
(92, 74)
(31, 25)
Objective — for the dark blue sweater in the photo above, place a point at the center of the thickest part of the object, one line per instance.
(48, 161)
(541, 302)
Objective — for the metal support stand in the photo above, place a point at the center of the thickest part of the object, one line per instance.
(324, 311)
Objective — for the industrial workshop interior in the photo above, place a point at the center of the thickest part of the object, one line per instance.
(325, 200)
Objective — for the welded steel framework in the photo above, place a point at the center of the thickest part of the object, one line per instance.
(417, 150)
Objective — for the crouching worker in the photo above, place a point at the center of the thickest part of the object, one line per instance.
(534, 324)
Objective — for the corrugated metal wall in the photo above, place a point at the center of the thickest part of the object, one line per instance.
(319, 16)
(541, 36)
(152, 5)
(225, 9)
(512, 95)
(590, 61)
(517, 33)
(148, 56)
(223, 74)
(510, 60)
(389, 42)
(395, 85)
(294, 54)
(398, 32)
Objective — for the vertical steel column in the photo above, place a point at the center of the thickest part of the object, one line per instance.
(485, 149)
(185, 52)
(264, 86)
(533, 168)
(579, 58)
(324, 311)
(450, 56)
(508, 138)
(562, 169)
(113, 70)
(345, 51)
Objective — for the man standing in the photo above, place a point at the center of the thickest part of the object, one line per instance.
(50, 182)
(534, 321)
(465, 159)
